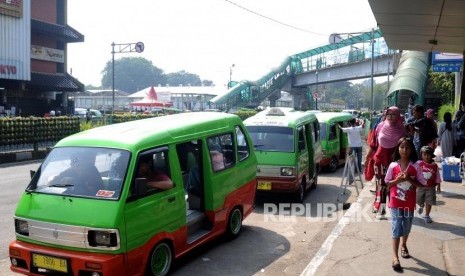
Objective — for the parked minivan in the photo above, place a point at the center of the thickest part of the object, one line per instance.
(287, 145)
(92, 208)
(333, 139)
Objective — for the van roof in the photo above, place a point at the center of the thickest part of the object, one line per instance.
(140, 134)
(328, 116)
(287, 117)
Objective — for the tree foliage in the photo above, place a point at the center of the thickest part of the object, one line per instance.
(135, 73)
(443, 83)
(183, 78)
(132, 74)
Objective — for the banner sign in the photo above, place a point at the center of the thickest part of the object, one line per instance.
(11, 7)
(48, 54)
(438, 57)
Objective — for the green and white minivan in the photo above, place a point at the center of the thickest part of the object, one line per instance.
(333, 140)
(89, 209)
(287, 145)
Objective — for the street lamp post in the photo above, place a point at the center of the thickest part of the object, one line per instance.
(230, 75)
(316, 98)
(372, 69)
(122, 48)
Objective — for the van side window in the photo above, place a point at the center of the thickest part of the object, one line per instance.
(316, 131)
(333, 132)
(153, 166)
(301, 143)
(221, 150)
(243, 150)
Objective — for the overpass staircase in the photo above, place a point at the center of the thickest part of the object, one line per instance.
(252, 93)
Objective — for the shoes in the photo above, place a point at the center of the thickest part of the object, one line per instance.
(381, 217)
(428, 219)
(420, 210)
(404, 253)
(396, 266)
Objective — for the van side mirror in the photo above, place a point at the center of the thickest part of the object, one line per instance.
(140, 186)
(32, 173)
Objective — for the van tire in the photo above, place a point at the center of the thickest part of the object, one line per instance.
(234, 226)
(300, 194)
(315, 181)
(160, 260)
(334, 164)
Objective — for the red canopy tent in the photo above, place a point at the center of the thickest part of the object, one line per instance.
(151, 100)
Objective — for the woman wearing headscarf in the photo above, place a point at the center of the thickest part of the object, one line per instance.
(381, 149)
(446, 134)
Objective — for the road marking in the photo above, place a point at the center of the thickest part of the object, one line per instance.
(328, 244)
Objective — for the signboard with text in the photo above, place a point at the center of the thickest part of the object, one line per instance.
(446, 62)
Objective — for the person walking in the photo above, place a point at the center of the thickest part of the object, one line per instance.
(426, 195)
(402, 178)
(381, 148)
(459, 124)
(446, 136)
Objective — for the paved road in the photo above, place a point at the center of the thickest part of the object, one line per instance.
(268, 245)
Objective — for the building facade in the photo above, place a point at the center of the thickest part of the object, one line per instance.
(33, 52)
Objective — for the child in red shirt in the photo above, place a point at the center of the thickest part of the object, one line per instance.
(427, 195)
(402, 178)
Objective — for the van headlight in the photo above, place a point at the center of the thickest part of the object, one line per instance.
(287, 171)
(22, 227)
(103, 238)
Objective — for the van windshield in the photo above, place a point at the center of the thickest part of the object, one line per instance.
(272, 138)
(82, 171)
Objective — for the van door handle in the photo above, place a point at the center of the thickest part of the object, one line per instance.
(171, 199)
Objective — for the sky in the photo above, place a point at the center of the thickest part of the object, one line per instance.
(206, 37)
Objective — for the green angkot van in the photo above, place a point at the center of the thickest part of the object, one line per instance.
(126, 199)
(333, 140)
(287, 145)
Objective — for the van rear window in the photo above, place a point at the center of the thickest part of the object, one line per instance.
(271, 138)
(82, 172)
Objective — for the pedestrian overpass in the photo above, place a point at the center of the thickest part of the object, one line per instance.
(347, 59)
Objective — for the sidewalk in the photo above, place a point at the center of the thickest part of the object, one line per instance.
(365, 245)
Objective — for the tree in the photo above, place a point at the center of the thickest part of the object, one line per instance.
(183, 78)
(132, 74)
(443, 83)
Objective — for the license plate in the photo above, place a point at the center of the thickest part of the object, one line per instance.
(48, 262)
(264, 185)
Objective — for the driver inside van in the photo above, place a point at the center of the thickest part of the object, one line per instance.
(155, 178)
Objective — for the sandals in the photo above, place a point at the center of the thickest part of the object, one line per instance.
(396, 265)
(404, 253)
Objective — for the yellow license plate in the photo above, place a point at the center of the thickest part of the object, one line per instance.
(264, 185)
(52, 263)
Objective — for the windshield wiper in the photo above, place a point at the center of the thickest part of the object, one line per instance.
(257, 146)
(61, 185)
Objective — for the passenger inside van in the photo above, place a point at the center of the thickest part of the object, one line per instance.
(217, 160)
(155, 178)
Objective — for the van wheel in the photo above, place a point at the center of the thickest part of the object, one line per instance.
(234, 224)
(160, 260)
(334, 164)
(300, 195)
(315, 181)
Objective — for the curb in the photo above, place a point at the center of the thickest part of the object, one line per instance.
(11, 157)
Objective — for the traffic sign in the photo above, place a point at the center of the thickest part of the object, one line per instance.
(315, 95)
(139, 47)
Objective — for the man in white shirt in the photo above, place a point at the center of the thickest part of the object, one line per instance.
(355, 140)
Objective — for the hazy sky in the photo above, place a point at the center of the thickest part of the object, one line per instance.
(205, 37)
